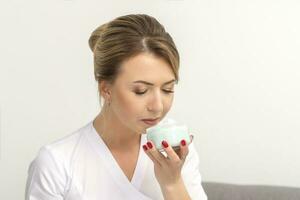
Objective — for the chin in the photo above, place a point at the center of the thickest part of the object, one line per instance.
(142, 130)
(138, 129)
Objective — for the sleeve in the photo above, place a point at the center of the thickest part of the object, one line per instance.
(191, 175)
(46, 178)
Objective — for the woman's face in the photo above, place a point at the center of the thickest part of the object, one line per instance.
(143, 90)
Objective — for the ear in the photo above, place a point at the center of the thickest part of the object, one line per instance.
(105, 89)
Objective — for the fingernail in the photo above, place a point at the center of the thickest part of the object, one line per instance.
(149, 145)
(183, 142)
(165, 144)
(145, 147)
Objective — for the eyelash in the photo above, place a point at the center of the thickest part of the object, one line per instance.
(166, 91)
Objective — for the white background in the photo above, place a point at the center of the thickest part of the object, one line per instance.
(238, 91)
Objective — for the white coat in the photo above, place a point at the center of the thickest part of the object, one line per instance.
(81, 167)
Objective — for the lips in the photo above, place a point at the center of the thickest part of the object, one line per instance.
(151, 121)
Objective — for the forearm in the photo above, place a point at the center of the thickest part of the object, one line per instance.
(177, 191)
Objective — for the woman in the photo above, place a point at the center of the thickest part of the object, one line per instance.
(136, 66)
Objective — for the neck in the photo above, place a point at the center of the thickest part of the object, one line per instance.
(115, 135)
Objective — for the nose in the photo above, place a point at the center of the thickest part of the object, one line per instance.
(155, 104)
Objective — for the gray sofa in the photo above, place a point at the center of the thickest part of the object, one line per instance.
(226, 191)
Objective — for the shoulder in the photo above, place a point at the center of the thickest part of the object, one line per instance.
(62, 150)
(49, 171)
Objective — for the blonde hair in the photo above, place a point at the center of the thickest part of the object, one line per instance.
(126, 36)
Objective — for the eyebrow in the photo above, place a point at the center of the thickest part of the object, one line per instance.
(147, 83)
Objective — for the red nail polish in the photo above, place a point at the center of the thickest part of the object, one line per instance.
(183, 142)
(165, 144)
(149, 145)
(145, 147)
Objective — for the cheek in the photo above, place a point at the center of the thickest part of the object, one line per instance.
(168, 104)
(129, 105)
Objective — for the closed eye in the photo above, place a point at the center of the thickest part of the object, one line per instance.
(165, 91)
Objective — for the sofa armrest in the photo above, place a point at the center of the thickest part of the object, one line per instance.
(226, 191)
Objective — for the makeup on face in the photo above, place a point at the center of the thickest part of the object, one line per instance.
(140, 86)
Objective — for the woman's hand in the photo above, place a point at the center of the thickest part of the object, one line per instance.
(167, 168)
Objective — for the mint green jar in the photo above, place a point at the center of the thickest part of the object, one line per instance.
(170, 132)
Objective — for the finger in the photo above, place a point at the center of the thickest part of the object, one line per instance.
(146, 150)
(184, 150)
(170, 152)
(178, 149)
(155, 154)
